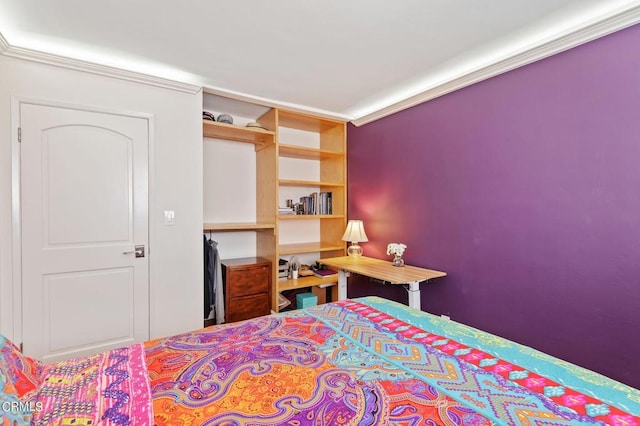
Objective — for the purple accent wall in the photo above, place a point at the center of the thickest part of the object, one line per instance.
(525, 189)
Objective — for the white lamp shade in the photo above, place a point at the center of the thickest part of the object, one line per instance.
(355, 232)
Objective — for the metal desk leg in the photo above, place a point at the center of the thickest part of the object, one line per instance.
(414, 294)
(342, 284)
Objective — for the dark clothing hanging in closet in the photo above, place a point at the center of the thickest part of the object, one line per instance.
(213, 286)
(209, 273)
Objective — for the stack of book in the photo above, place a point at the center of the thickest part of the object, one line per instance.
(283, 268)
(316, 203)
(325, 273)
(286, 210)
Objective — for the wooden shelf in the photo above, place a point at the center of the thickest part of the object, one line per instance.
(307, 123)
(305, 153)
(310, 247)
(254, 135)
(241, 226)
(304, 282)
(310, 216)
(290, 182)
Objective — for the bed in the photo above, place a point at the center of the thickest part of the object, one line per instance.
(365, 361)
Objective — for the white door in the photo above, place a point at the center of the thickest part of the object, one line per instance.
(84, 207)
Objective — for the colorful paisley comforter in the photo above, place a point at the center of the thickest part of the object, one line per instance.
(371, 362)
(365, 361)
(110, 388)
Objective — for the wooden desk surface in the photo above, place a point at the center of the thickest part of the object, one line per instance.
(381, 269)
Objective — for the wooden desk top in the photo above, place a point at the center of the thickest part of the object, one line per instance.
(381, 269)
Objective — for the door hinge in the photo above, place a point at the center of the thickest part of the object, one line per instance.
(19, 134)
(21, 348)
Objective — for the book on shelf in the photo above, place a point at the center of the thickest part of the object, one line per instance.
(316, 203)
(286, 210)
(283, 268)
(325, 273)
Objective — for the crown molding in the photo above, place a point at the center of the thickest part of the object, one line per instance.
(564, 41)
(104, 70)
(272, 103)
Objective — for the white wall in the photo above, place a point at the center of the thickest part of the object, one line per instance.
(175, 183)
(230, 193)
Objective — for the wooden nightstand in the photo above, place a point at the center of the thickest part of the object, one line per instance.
(247, 287)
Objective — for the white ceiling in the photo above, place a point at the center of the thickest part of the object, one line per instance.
(353, 59)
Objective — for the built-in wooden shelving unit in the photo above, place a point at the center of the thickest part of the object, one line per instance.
(329, 156)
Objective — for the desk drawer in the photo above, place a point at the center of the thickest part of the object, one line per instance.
(247, 307)
(248, 281)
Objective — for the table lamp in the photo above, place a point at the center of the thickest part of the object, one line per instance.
(355, 234)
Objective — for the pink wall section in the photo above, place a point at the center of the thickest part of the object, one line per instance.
(525, 189)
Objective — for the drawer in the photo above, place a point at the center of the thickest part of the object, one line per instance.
(248, 281)
(247, 307)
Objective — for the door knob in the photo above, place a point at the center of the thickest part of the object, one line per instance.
(138, 250)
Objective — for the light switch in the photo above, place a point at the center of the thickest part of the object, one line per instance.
(169, 217)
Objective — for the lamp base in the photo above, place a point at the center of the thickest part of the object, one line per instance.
(354, 250)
